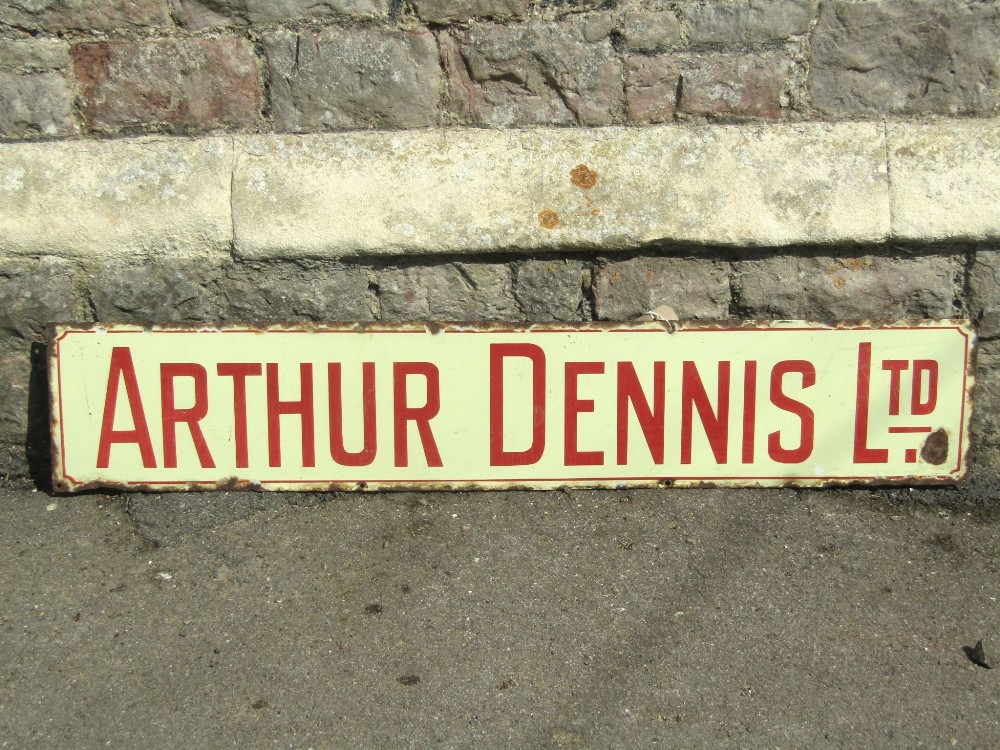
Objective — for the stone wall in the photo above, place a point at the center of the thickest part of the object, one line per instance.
(110, 67)
(853, 166)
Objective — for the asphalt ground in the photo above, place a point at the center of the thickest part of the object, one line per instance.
(837, 618)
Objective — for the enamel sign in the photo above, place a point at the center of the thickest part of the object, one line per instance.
(504, 406)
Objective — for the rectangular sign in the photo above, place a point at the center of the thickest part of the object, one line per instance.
(501, 406)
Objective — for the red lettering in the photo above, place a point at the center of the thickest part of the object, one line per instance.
(895, 368)
(340, 454)
(499, 456)
(574, 406)
(651, 421)
(862, 453)
(749, 410)
(303, 407)
(239, 372)
(421, 415)
(170, 415)
(123, 369)
(804, 413)
(716, 424)
(930, 367)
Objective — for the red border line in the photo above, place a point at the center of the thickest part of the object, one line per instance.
(528, 480)
(965, 395)
(62, 423)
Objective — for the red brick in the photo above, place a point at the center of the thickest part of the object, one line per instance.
(169, 84)
(721, 85)
(652, 88)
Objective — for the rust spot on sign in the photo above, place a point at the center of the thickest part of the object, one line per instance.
(935, 450)
(549, 218)
(583, 176)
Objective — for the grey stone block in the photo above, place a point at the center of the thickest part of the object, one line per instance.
(343, 79)
(694, 287)
(906, 56)
(34, 104)
(733, 22)
(447, 11)
(984, 293)
(986, 405)
(156, 291)
(549, 290)
(34, 293)
(208, 14)
(450, 292)
(537, 73)
(289, 292)
(864, 287)
(85, 15)
(210, 291)
(33, 54)
(650, 30)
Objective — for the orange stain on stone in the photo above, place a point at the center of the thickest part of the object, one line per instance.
(857, 264)
(583, 176)
(549, 218)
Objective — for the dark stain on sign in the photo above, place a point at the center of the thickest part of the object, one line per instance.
(935, 450)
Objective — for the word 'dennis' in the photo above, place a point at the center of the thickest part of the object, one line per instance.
(538, 406)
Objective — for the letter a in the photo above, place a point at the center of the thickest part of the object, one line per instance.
(123, 369)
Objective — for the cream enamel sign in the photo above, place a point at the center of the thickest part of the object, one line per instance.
(502, 406)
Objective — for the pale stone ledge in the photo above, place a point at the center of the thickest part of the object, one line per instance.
(144, 196)
(483, 191)
(480, 191)
(945, 179)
